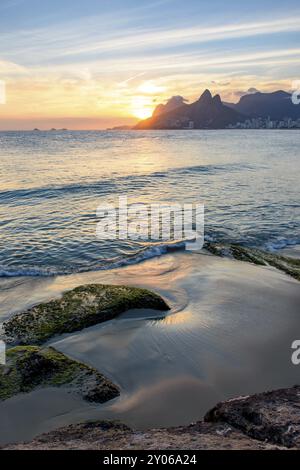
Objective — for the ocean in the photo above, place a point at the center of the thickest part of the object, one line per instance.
(231, 324)
(51, 184)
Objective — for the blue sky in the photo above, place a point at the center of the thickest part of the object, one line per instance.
(112, 60)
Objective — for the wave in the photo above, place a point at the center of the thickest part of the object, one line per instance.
(281, 243)
(109, 185)
(152, 251)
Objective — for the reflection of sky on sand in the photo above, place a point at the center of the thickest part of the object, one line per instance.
(178, 318)
(182, 394)
(229, 333)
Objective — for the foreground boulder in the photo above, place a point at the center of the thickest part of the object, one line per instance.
(77, 309)
(271, 416)
(30, 367)
(104, 435)
(264, 421)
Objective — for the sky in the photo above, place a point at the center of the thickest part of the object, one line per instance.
(92, 64)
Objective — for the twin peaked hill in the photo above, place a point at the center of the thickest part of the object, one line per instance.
(206, 113)
(210, 113)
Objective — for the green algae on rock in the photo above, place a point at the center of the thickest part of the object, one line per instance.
(77, 309)
(288, 265)
(31, 367)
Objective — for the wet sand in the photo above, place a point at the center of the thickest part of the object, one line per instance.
(229, 332)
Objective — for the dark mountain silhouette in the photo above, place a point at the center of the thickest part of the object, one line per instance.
(172, 103)
(206, 113)
(277, 105)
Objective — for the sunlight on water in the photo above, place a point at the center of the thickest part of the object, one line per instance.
(52, 182)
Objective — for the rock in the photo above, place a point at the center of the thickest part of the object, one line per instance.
(77, 309)
(103, 435)
(271, 416)
(205, 113)
(172, 103)
(288, 265)
(262, 422)
(31, 367)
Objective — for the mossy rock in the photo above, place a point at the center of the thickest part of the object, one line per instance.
(30, 367)
(77, 309)
(286, 264)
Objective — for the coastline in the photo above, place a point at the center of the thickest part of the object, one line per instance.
(225, 336)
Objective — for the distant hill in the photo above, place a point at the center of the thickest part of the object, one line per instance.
(172, 103)
(277, 105)
(206, 113)
(119, 128)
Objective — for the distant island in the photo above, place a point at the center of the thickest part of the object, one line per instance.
(119, 128)
(253, 111)
(51, 130)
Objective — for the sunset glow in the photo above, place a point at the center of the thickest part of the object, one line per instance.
(90, 68)
(142, 107)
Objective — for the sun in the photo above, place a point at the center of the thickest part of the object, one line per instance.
(142, 113)
(142, 107)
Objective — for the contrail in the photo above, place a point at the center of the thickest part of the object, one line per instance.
(131, 78)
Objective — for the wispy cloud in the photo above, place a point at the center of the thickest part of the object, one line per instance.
(112, 35)
(100, 65)
(164, 62)
(10, 69)
(187, 36)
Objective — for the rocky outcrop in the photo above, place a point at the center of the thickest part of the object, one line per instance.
(31, 367)
(104, 435)
(276, 105)
(206, 113)
(271, 416)
(173, 103)
(77, 309)
(261, 422)
(288, 265)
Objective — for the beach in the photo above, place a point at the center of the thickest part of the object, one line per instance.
(234, 305)
(228, 333)
(149, 230)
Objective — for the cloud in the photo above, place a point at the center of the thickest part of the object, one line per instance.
(98, 65)
(106, 35)
(10, 69)
(250, 91)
